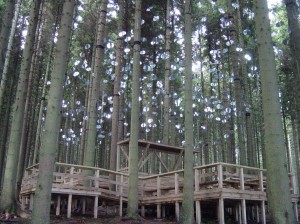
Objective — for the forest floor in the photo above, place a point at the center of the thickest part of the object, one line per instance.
(90, 220)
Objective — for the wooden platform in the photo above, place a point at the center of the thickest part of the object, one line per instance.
(216, 182)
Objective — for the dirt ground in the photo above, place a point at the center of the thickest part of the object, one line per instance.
(89, 220)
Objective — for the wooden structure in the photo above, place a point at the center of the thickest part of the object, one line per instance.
(236, 190)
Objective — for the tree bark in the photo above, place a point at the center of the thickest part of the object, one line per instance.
(278, 192)
(8, 199)
(187, 215)
(42, 199)
(132, 209)
(89, 156)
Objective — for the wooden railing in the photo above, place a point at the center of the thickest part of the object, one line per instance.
(90, 180)
(213, 176)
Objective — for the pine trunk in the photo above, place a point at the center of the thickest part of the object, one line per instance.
(132, 209)
(8, 199)
(278, 192)
(187, 215)
(42, 199)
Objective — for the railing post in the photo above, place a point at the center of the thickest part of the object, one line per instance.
(197, 189)
(261, 181)
(176, 192)
(220, 176)
(242, 181)
(121, 196)
(158, 195)
(72, 172)
(96, 180)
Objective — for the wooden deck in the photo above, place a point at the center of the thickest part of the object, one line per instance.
(218, 182)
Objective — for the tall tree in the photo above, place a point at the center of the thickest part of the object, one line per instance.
(5, 28)
(42, 199)
(89, 155)
(132, 210)
(188, 187)
(278, 192)
(8, 199)
(116, 94)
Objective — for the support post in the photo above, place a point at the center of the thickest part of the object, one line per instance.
(263, 212)
(69, 206)
(121, 196)
(31, 202)
(23, 202)
(198, 212)
(257, 213)
(58, 205)
(158, 209)
(221, 211)
(296, 211)
(177, 211)
(261, 181)
(244, 212)
(143, 211)
(83, 206)
(220, 176)
(96, 207)
(242, 181)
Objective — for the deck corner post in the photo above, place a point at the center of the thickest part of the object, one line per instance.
(58, 205)
(263, 212)
(198, 212)
(83, 206)
(96, 207)
(220, 175)
(244, 212)
(177, 211)
(69, 206)
(221, 211)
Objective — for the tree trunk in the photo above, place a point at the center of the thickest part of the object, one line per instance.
(7, 22)
(116, 94)
(187, 216)
(5, 67)
(8, 195)
(89, 156)
(132, 209)
(41, 209)
(278, 192)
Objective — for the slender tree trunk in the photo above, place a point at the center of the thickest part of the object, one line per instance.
(8, 199)
(166, 129)
(89, 156)
(4, 68)
(187, 216)
(42, 199)
(116, 91)
(5, 28)
(279, 198)
(132, 209)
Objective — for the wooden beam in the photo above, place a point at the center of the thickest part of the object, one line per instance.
(31, 202)
(198, 212)
(161, 161)
(178, 160)
(177, 211)
(296, 211)
(221, 211)
(263, 212)
(69, 206)
(83, 205)
(197, 187)
(121, 196)
(261, 181)
(143, 156)
(96, 207)
(58, 204)
(147, 158)
(143, 211)
(220, 176)
(242, 181)
(244, 212)
(158, 209)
